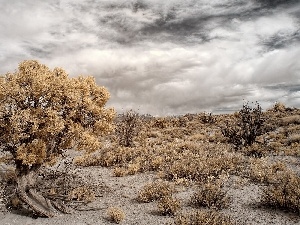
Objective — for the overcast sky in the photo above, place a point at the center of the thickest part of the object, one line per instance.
(163, 57)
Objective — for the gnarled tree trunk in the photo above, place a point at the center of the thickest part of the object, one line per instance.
(27, 193)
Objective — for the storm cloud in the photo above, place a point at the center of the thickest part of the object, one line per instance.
(164, 57)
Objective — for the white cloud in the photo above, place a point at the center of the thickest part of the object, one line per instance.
(161, 57)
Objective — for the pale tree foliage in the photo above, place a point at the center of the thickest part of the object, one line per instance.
(43, 112)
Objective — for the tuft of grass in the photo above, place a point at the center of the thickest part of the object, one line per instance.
(210, 195)
(210, 217)
(168, 206)
(115, 214)
(155, 191)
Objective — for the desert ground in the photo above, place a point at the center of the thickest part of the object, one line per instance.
(175, 170)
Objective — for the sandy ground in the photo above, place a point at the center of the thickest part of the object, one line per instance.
(122, 192)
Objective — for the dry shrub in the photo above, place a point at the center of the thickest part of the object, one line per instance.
(294, 119)
(210, 195)
(256, 150)
(109, 157)
(155, 191)
(115, 214)
(8, 176)
(201, 165)
(248, 125)
(128, 126)
(204, 217)
(294, 139)
(120, 172)
(264, 172)
(82, 194)
(168, 206)
(285, 193)
(278, 107)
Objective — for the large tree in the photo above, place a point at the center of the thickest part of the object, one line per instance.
(43, 113)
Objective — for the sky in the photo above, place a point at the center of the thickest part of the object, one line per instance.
(166, 57)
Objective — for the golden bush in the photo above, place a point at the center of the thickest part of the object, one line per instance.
(115, 214)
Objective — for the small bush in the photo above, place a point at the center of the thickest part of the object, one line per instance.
(155, 191)
(247, 127)
(168, 206)
(255, 150)
(127, 128)
(295, 119)
(263, 172)
(285, 193)
(204, 217)
(115, 214)
(210, 195)
(82, 194)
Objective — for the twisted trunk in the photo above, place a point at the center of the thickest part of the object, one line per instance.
(28, 194)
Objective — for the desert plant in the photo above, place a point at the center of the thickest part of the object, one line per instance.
(115, 214)
(155, 191)
(210, 195)
(168, 206)
(127, 127)
(203, 217)
(246, 128)
(81, 194)
(43, 112)
(207, 118)
(284, 193)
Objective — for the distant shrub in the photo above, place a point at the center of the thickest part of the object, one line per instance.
(207, 118)
(295, 119)
(203, 217)
(127, 127)
(246, 128)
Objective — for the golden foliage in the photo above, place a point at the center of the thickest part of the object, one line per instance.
(115, 214)
(43, 112)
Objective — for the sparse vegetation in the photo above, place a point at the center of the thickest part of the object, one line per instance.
(185, 155)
